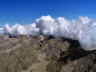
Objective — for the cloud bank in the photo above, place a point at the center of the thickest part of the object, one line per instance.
(82, 29)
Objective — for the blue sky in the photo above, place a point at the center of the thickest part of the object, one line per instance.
(24, 11)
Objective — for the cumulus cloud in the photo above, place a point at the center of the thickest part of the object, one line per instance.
(82, 29)
(19, 29)
(47, 25)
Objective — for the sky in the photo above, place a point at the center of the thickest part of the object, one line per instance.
(26, 11)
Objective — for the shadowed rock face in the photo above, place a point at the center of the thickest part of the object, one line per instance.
(33, 54)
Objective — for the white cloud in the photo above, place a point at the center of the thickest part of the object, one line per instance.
(46, 24)
(82, 29)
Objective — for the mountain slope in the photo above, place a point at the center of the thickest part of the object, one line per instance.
(44, 54)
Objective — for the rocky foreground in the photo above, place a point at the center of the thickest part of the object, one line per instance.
(37, 54)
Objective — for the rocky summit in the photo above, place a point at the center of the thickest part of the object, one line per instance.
(44, 54)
